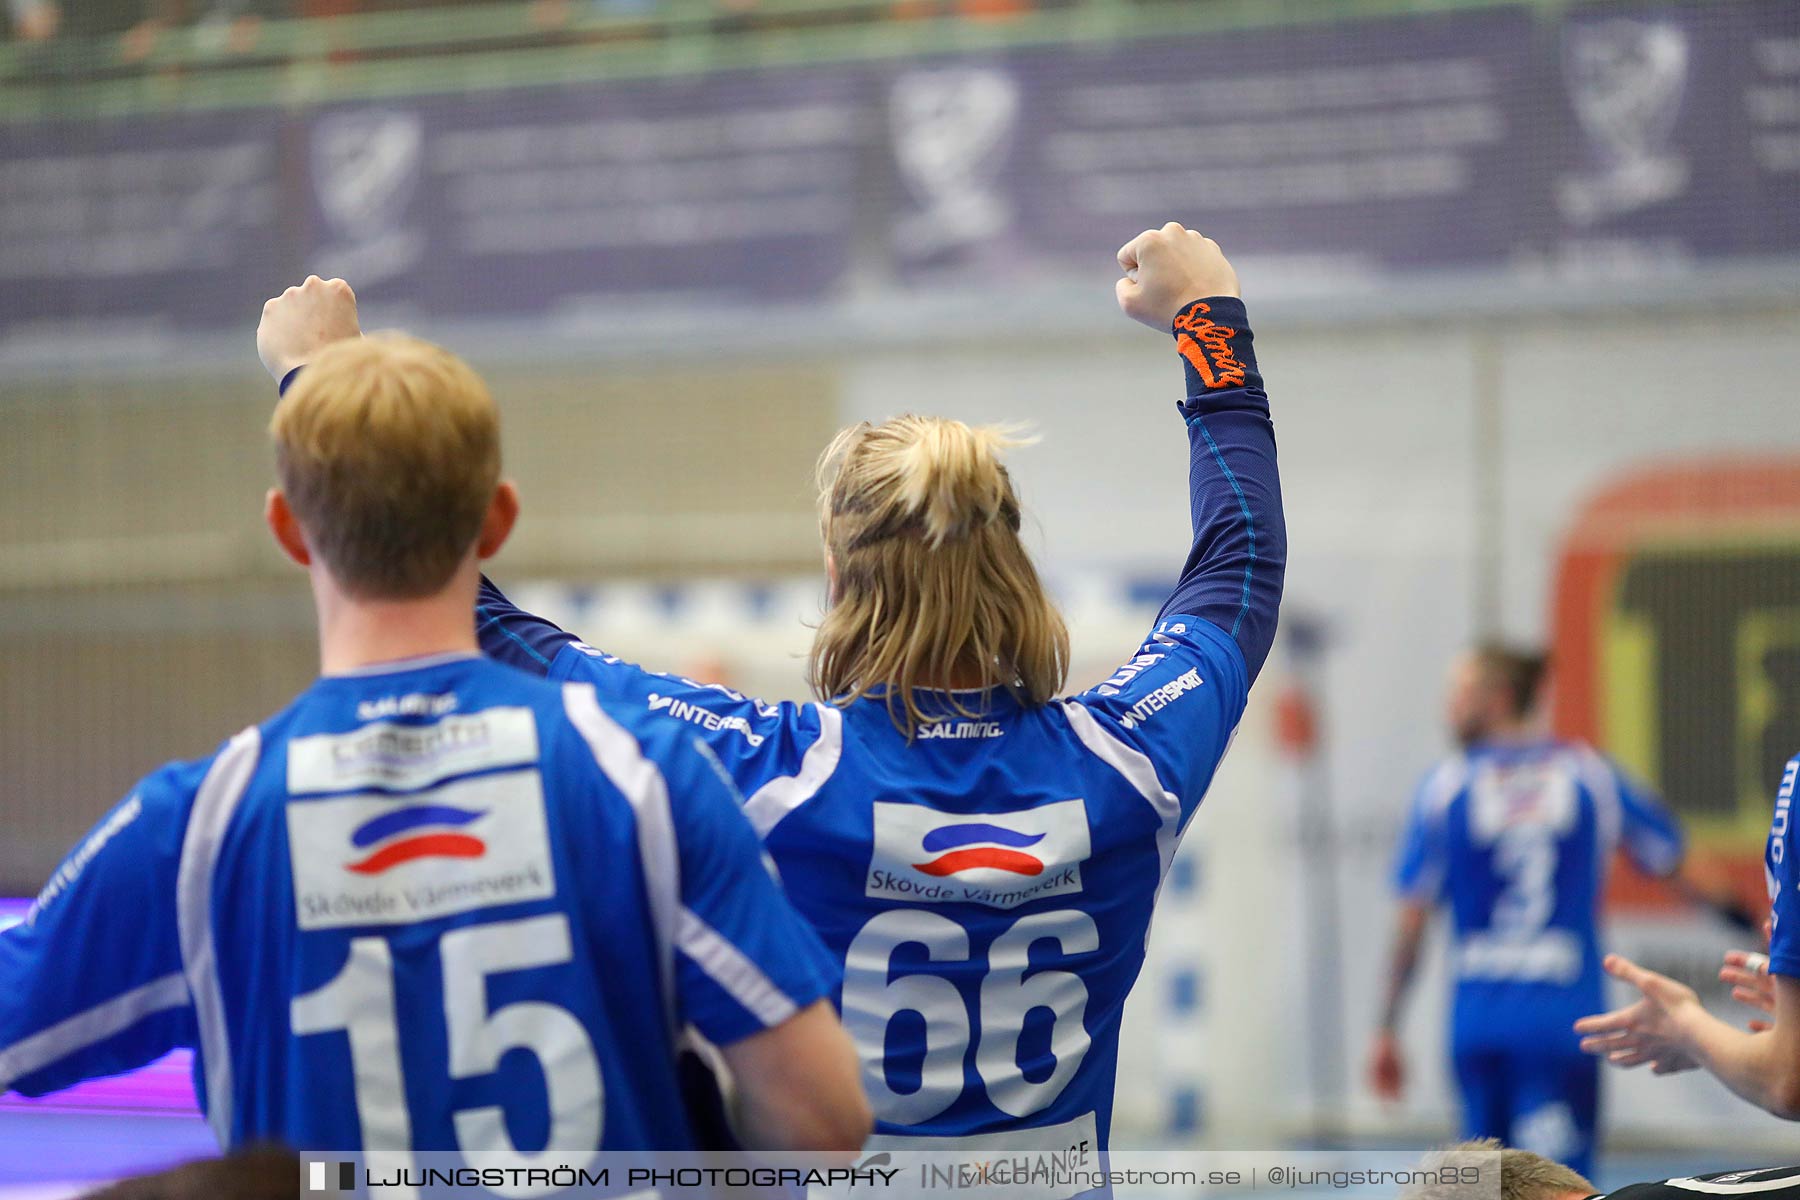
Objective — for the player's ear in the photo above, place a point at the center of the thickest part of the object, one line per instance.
(830, 579)
(503, 511)
(286, 527)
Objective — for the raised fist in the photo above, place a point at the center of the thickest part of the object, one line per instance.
(303, 320)
(1169, 268)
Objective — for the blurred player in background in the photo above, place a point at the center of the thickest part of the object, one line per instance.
(435, 903)
(983, 857)
(1515, 833)
(1668, 1027)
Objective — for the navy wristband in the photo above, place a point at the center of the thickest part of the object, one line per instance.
(1216, 346)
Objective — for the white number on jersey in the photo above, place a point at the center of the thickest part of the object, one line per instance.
(360, 1002)
(1008, 996)
(1522, 813)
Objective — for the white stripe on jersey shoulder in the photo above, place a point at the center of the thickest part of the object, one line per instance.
(47, 1046)
(1443, 785)
(728, 967)
(214, 805)
(1137, 770)
(1448, 780)
(622, 761)
(779, 797)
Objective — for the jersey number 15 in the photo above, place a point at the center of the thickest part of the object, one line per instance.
(359, 1002)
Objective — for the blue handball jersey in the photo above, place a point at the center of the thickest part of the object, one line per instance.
(440, 905)
(988, 886)
(1784, 887)
(1517, 840)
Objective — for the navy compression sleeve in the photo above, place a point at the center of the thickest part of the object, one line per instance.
(510, 635)
(1233, 573)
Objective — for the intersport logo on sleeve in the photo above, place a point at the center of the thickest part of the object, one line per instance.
(1002, 860)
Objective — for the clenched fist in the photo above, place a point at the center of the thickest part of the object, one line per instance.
(303, 320)
(1169, 268)
(1387, 1067)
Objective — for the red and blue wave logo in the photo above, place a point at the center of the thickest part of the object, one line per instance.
(977, 845)
(418, 831)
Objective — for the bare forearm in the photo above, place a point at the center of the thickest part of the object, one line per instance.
(1752, 1065)
(799, 1088)
(1403, 964)
(1401, 967)
(828, 1137)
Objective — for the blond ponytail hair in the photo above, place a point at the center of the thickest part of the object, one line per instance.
(932, 585)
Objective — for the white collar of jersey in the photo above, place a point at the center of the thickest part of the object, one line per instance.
(398, 665)
(881, 691)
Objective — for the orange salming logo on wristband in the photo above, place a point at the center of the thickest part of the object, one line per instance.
(1207, 344)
